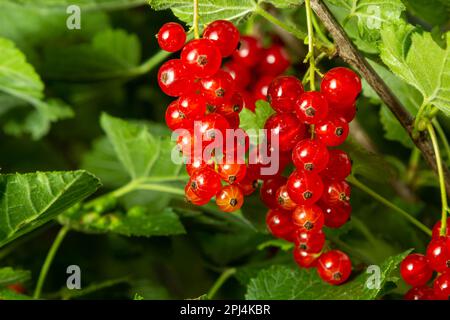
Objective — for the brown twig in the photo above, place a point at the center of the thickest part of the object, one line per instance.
(348, 52)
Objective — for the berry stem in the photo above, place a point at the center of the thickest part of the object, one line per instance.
(195, 22)
(413, 165)
(320, 33)
(48, 261)
(220, 281)
(312, 67)
(442, 136)
(389, 204)
(271, 18)
(440, 170)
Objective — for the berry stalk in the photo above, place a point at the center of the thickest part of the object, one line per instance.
(312, 67)
(195, 22)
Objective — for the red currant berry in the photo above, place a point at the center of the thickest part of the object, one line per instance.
(191, 197)
(171, 37)
(224, 35)
(437, 229)
(339, 166)
(333, 131)
(176, 118)
(232, 106)
(249, 51)
(248, 185)
(336, 192)
(341, 86)
(347, 112)
(198, 164)
(305, 259)
(280, 224)
(441, 287)
(232, 172)
(335, 216)
(205, 183)
(309, 241)
(311, 107)
(304, 188)
(334, 267)
(218, 88)
(415, 270)
(308, 218)
(284, 201)
(310, 155)
(261, 88)
(262, 163)
(274, 61)
(438, 254)
(193, 105)
(202, 57)
(173, 78)
(230, 198)
(233, 120)
(420, 293)
(269, 189)
(282, 93)
(286, 128)
(211, 125)
(240, 73)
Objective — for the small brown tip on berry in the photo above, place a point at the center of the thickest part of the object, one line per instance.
(310, 112)
(211, 108)
(231, 179)
(236, 108)
(233, 202)
(280, 200)
(309, 166)
(448, 263)
(343, 197)
(337, 276)
(220, 92)
(193, 185)
(339, 131)
(303, 246)
(164, 77)
(307, 194)
(202, 60)
(308, 225)
(255, 184)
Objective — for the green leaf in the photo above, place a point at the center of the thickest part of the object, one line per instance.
(277, 243)
(85, 5)
(252, 122)
(28, 201)
(10, 276)
(282, 4)
(435, 12)
(285, 283)
(7, 294)
(420, 61)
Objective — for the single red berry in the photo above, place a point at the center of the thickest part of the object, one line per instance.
(347, 112)
(240, 73)
(335, 216)
(232, 106)
(438, 254)
(311, 107)
(248, 52)
(192, 105)
(269, 189)
(230, 198)
(171, 37)
(282, 93)
(176, 118)
(280, 224)
(218, 88)
(334, 267)
(441, 287)
(224, 35)
(205, 183)
(232, 172)
(437, 229)
(309, 241)
(261, 88)
(284, 201)
(274, 61)
(211, 125)
(308, 218)
(173, 78)
(285, 128)
(248, 185)
(197, 164)
(202, 57)
(305, 259)
(304, 188)
(420, 293)
(333, 131)
(336, 192)
(17, 288)
(339, 165)
(191, 197)
(415, 270)
(341, 86)
(310, 155)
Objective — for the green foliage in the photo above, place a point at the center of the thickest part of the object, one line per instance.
(252, 122)
(11, 276)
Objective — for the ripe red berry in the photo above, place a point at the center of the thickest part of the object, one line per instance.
(202, 57)
(437, 229)
(309, 241)
(274, 61)
(333, 131)
(420, 293)
(339, 165)
(173, 78)
(304, 188)
(249, 51)
(262, 163)
(230, 198)
(284, 201)
(232, 172)
(280, 224)
(311, 107)
(334, 267)
(240, 73)
(336, 192)
(335, 216)
(415, 270)
(233, 120)
(248, 185)
(191, 197)
(192, 105)
(232, 106)
(171, 37)
(261, 88)
(441, 287)
(308, 218)
(197, 164)
(286, 128)
(224, 35)
(310, 155)
(211, 125)
(282, 93)
(269, 189)
(341, 86)
(305, 259)
(218, 88)
(205, 183)
(176, 118)
(347, 112)
(438, 254)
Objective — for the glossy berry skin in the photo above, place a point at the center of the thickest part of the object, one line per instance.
(333, 131)
(230, 198)
(224, 35)
(415, 270)
(310, 155)
(336, 192)
(192, 105)
(240, 73)
(280, 224)
(211, 125)
(232, 172)
(284, 201)
(176, 118)
(304, 188)
(205, 183)
(438, 254)
(197, 164)
(274, 61)
(202, 57)
(347, 112)
(194, 199)
(312, 242)
(248, 185)
(437, 229)
(441, 287)
(341, 86)
(261, 88)
(334, 267)
(218, 88)
(286, 128)
(269, 190)
(173, 78)
(305, 259)
(171, 37)
(249, 51)
(232, 106)
(308, 218)
(335, 216)
(282, 93)
(339, 166)
(311, 107)
(420, 293)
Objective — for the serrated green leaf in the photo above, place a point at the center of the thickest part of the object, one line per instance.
(282, 4)
(285, 283)
(9, 276)
(27, 201)
(436, 12)
(252, 122)
(420, 61)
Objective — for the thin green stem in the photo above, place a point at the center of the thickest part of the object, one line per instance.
(440, 170)
(220, 281)
(312, 66)
(413, 165)
(195, 22)
(48, 261)
(320, 33)
(389, 204)
(161, 188)
(443, 137)
(266, 15)
(419, 117)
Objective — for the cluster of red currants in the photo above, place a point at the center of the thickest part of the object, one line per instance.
(417, 269)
